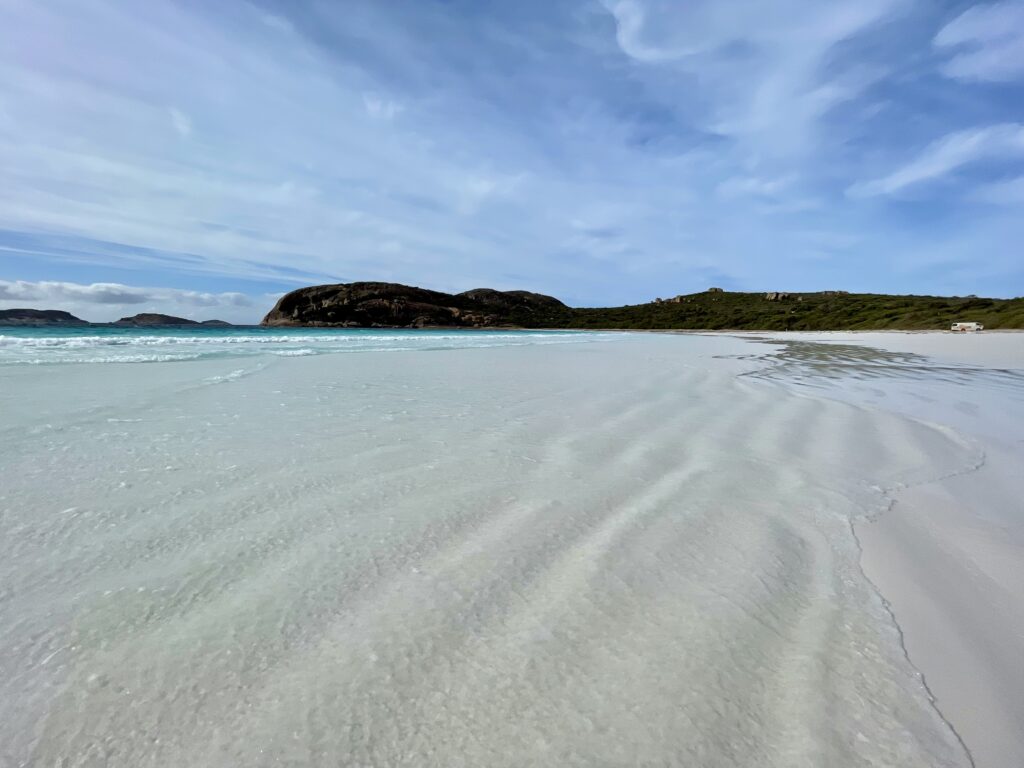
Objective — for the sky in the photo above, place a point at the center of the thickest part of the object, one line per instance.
(202, 158)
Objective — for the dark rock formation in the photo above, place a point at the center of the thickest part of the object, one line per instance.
(217, 323)
(152, 318)
(36, 317)
(390, 305)
(509, 301)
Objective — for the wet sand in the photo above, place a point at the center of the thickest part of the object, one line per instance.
(948, 555)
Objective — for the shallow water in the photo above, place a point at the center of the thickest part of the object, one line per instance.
(608, 553)
(979, 397)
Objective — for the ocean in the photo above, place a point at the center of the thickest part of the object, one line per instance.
(107, 344)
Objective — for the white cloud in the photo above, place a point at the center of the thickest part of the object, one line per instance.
(631, 19)
(114, 293)
(988, 42)
(742, 186)
(765, 64)
(277, 22)
(99, 293)
(947, 155)
(663, 30)
(380, 107)
(476, 190)
(182, 123)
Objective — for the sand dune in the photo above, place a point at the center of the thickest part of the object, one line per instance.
(617, 553)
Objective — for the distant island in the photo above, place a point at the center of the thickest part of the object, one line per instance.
(55, 317)
(392, 305)
(36, 317)
(152, 318)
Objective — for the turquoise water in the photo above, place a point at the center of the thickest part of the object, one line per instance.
(98, 344)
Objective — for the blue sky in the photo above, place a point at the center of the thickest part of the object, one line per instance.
(201, 158)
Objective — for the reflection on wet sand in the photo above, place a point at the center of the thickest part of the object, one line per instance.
(820, 364)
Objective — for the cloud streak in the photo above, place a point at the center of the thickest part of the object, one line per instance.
(947, 155)
(987, 42)
(766, 61)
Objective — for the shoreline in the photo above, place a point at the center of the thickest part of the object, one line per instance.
(947, 554)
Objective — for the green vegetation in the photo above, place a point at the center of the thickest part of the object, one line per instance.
(830, 310)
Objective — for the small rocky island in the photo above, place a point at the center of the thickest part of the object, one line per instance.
(391, 305)
(154, 318)
(38, 317)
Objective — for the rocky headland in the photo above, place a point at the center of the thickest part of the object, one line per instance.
(391, 305)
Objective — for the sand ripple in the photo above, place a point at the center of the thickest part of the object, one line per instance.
(613, 554)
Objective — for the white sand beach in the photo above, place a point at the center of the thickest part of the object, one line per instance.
(949, 554)
(703, 550)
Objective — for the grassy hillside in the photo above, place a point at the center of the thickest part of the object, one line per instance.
(796, 312)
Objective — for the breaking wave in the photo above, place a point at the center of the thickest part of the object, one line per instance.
(37, 346)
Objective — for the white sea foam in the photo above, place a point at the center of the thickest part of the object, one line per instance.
(35, 347)
(615, 553)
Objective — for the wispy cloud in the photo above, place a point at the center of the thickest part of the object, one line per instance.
(987, 42)
(114, 293)
(947, 155)
(181, 122)
(768, 65)
(379, 107)
(741, 186)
